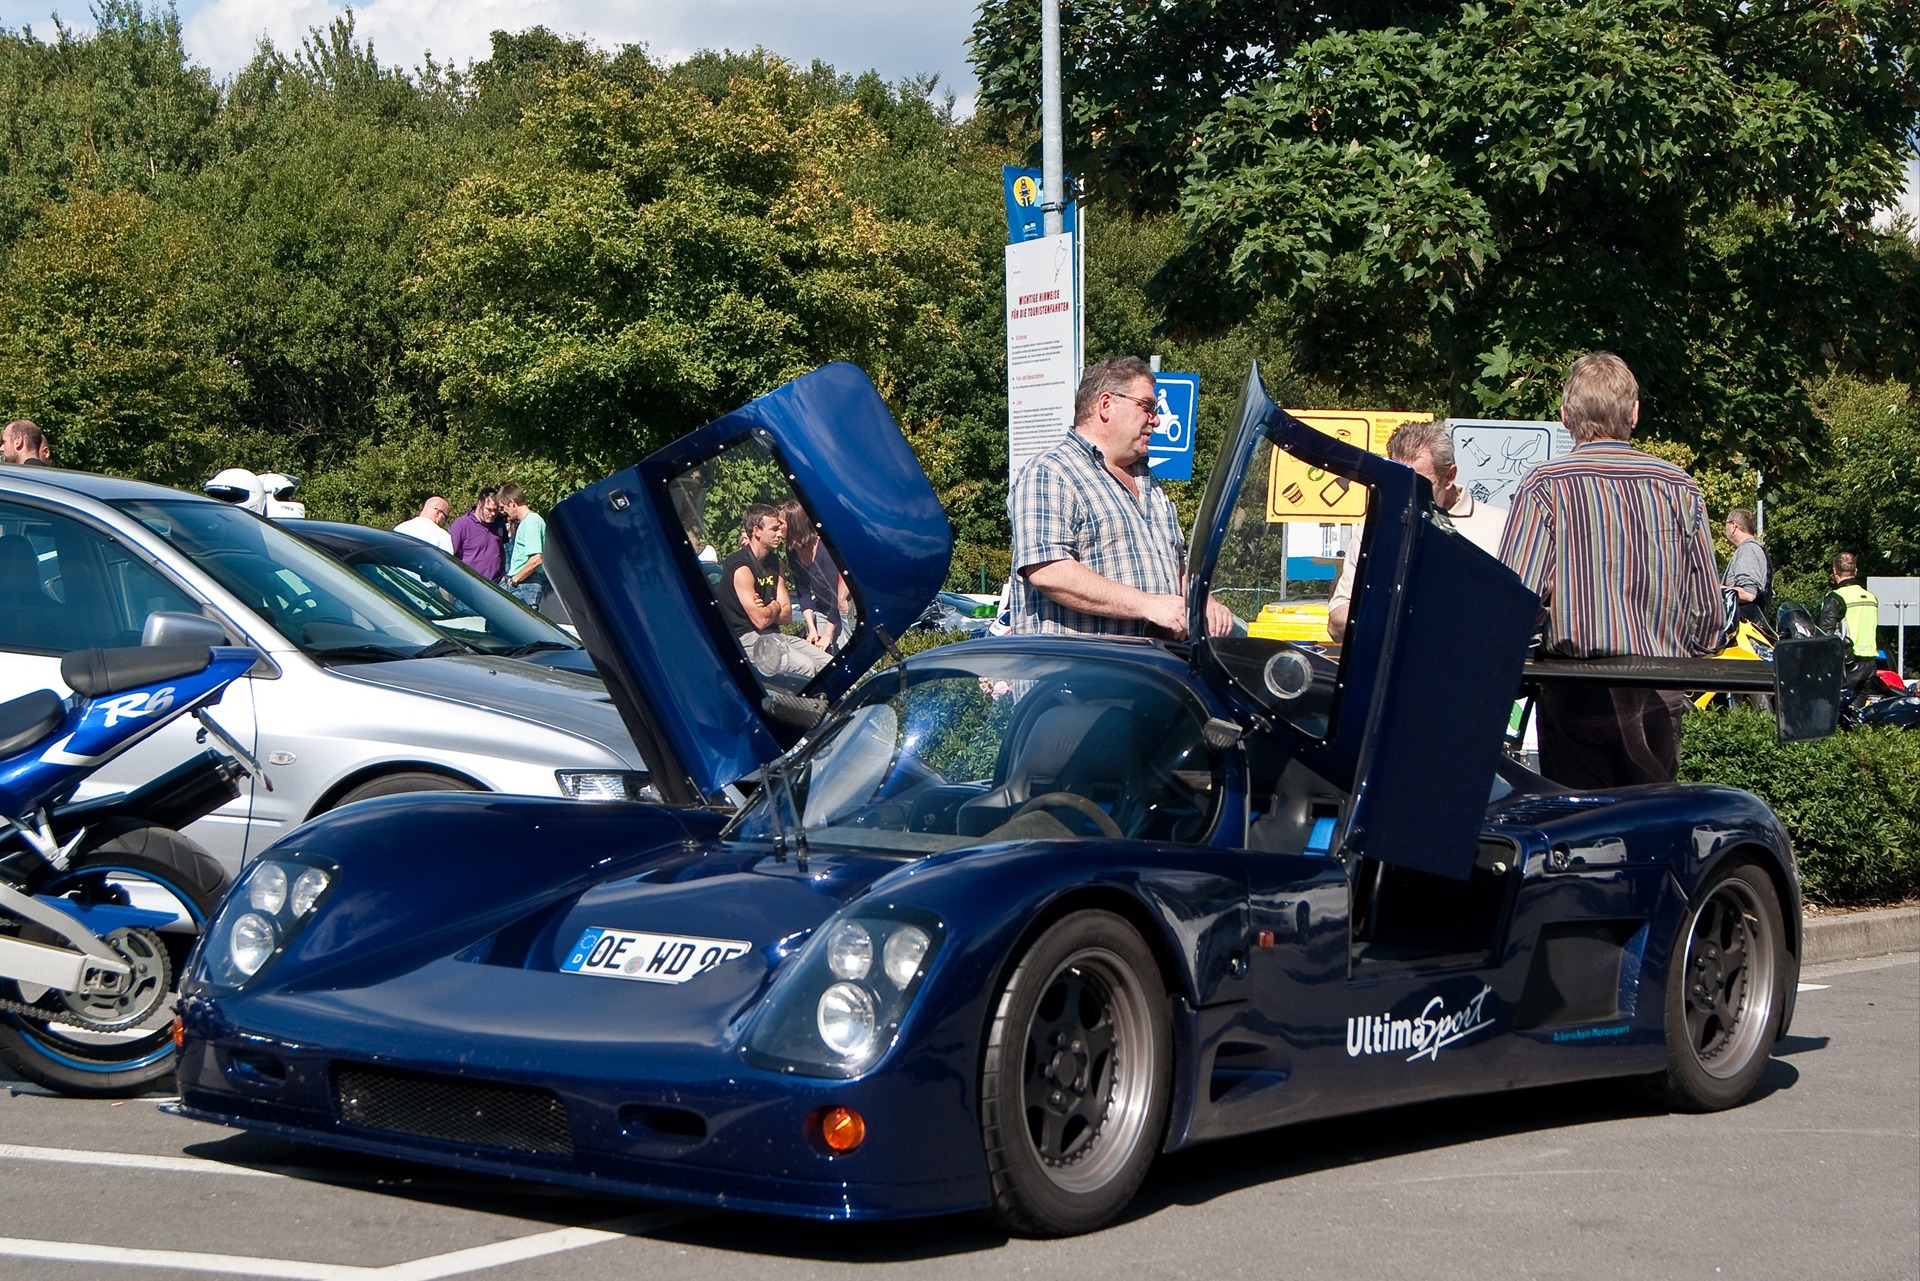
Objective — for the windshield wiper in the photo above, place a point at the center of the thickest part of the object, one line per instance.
(361, 654)
(391, 654)
(537, 647)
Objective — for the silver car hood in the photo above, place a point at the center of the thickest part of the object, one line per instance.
(548, 696)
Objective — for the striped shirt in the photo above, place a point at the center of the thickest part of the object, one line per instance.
(1066, 505)
(1617, 544)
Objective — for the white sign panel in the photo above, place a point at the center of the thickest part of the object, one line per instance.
(1042, 346)
(1494, 455)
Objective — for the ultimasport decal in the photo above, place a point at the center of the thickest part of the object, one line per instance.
(1424, 1035)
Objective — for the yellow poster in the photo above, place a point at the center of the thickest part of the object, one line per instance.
(1297, 492)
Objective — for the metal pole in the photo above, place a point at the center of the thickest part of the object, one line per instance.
(1053, 201)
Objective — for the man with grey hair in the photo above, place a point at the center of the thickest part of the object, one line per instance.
(1748, 573)
(1097, 547)
(1617, 545)
(1427, 447)
(24, 444)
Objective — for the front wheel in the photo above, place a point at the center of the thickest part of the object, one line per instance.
(108, 1047)
(1725, 992)
(1074, 1085)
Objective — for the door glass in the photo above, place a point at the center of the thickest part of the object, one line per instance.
(1280, 573)
(68, 586)
(769, 564)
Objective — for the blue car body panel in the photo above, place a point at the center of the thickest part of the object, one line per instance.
(1469, 927)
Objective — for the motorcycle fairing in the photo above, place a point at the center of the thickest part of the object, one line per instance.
(1431, 665)
(644, 603)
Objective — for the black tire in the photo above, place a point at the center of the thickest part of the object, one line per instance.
(1074, 1085)
(73, 1060)
(405, 781)
(1726, 992)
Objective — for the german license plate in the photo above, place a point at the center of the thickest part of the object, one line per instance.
(650, 958)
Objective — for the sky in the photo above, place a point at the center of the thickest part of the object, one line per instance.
(897, 38)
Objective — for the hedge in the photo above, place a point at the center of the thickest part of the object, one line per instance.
(1850, 802)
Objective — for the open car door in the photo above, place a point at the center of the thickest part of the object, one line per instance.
(640, 560)
(1407, 716)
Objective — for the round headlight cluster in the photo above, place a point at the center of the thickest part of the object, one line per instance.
(275, 902)
(848, 1015)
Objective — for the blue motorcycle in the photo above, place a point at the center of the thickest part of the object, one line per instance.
(101, 900)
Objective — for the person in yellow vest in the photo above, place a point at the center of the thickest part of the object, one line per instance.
(1854, 612)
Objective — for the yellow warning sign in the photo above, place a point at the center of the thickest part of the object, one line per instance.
(1025, 190)
(1297, 492)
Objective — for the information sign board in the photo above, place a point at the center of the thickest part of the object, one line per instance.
(1296, 492)
(1170, 452)
(1042, 346)
(1494, 455)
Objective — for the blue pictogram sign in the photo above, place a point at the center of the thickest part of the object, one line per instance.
(1024, 218)
(1170, 452)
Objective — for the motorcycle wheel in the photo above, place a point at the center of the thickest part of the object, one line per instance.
(155, 867)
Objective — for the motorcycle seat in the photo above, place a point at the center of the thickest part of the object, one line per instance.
(27, 719)
(92, 673)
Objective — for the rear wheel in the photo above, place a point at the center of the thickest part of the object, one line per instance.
(1725, 992)
(406, 781)
(1075, 1081)
(111, 1046)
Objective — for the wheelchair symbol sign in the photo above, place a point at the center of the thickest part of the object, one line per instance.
(1170, 452)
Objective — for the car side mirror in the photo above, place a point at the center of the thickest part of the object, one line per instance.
(177, 627)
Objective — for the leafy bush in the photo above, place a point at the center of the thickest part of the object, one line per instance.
(1851, 802)
(975, 564)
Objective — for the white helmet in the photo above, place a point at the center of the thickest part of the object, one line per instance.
(240, 487)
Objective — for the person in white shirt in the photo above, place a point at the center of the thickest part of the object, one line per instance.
(1428, 449)
(430, 526)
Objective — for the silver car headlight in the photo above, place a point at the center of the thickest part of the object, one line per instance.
(275, 899)
(834, 1009)
(606, 785)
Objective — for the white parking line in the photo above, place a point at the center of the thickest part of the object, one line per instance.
(128, 1161)
(452, 1264)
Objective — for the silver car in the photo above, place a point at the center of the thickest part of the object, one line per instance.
(353, 697)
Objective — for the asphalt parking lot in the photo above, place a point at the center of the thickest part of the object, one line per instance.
(1817, 1175)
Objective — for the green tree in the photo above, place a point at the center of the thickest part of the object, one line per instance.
(109, 339)
(641, 262)
(1452, 199)
(117, 109)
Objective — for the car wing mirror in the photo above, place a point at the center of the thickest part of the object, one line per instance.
(1807, 684)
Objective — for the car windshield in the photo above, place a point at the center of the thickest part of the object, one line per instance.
(310, 599)
(451, 597)
(970, 748)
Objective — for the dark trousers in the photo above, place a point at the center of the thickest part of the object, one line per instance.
(1609, 736)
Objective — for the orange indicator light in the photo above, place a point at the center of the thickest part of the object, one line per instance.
(842, 1129)
(179, 1031)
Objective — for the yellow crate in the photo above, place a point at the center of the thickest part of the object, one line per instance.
(1306, 623)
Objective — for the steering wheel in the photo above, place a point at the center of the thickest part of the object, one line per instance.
(1079, 804)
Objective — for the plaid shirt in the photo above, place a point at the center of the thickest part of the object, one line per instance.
(1618, 542)
(1066, 505)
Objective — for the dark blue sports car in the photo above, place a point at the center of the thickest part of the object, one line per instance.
(1004, 921)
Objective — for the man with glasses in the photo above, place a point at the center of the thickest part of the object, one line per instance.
(478, 539)
(1097, 547)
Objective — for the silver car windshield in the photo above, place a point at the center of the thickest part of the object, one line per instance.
(312, 600)
(969, 749)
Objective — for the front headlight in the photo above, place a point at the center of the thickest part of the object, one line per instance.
(605, 785)
(274, 901)
(831, 1010)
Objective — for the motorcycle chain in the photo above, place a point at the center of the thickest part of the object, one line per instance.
(61, 1014)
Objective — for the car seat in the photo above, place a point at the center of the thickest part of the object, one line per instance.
(1083, 748)
(29, 618)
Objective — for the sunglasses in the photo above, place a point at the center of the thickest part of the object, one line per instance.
(1148, 404)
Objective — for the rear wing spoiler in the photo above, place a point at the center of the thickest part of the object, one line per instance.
(1804, 679)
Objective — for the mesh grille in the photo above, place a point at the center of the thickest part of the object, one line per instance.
(514, 1117)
